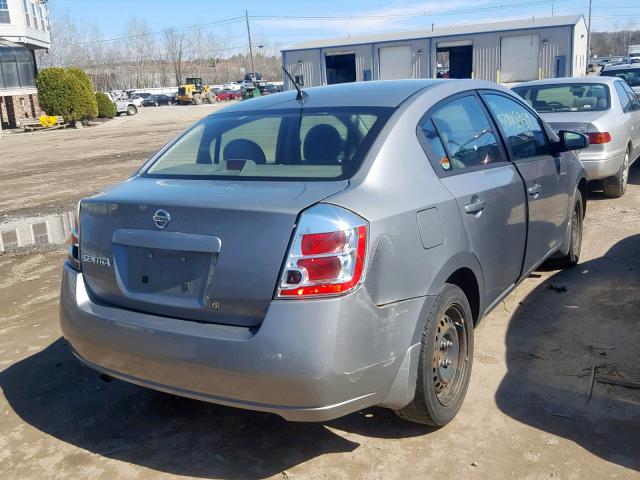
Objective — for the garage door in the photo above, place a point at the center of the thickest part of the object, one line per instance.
(396, 62)
(519, 58)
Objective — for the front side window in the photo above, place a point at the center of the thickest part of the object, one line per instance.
(466, 134)
(566, 97)
(4, 12)
(289, 144)
(522, 130)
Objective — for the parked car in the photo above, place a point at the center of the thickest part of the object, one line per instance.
(136, 100)
(604, 108)
(123, 104)
(143, 95)
(223, 95)
(157, 100)
(341, 267)
(630, 73)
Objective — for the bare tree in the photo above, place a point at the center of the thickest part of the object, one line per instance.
(174, 45)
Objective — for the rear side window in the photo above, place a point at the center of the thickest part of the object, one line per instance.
(287, 144)
(466, 134)
(522, 130)
(625, 101)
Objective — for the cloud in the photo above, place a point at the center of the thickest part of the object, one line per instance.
(393, 17)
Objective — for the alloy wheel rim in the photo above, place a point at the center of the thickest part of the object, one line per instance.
(576, 234)
(625, 170)
(450, 355)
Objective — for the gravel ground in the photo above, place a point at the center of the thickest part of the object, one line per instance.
(527, 414)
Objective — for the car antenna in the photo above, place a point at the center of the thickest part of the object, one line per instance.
(302, 95)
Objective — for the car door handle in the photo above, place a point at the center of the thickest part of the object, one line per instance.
(475, 206)
(535, 190)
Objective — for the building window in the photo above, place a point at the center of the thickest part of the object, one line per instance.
(42, 17)
(27, 17)
(35, 16)
(40, 234)
(4, 12)
(9, 240)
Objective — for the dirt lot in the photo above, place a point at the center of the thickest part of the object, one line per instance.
(527, 413)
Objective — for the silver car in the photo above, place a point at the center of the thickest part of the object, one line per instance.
(315, 254)
(606, 109)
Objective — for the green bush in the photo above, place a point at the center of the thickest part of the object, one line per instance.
(106, 108)
(67, 92)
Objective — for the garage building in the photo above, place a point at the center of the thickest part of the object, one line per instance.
(505, 52)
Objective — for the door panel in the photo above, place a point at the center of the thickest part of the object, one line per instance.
(496, 228)
(545, 177)
(464, 150)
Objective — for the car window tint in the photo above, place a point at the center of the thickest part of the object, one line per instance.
(633, 96)
(522, 129)
(630, 75)
(331, 121)
(625, 101)
(466, 133)
(182, 152)
(433, 146)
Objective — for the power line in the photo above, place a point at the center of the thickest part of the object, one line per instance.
(405, 15)
(227, 21)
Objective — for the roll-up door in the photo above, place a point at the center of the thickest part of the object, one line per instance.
(519, 58)
(396, 62)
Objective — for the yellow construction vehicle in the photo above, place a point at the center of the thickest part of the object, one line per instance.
(193, 91)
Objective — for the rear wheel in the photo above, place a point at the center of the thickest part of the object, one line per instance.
(132, 110)
(575, 238)
(446, 357)
(616, 186)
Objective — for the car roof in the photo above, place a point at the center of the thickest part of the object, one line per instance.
(560, 81)
(380, 93)
(621, 66)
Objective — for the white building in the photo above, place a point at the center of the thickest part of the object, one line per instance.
(506, 52)
(24, 28)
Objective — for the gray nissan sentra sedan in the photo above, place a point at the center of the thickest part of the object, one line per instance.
(604, 108)
(314, 254)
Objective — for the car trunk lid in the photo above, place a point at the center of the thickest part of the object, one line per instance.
(203, 250)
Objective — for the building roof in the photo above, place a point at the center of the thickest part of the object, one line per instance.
(441, 32)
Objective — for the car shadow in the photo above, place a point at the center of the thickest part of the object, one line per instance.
(53, 392)
(578, 328)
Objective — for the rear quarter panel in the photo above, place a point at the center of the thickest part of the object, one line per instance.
(393, 188)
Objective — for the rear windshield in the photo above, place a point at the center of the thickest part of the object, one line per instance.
(302, 144)
(631, 75)
(566, 97)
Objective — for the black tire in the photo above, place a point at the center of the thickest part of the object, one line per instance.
(441, 386)
(575, 237)
(131, 110)
(616, 186)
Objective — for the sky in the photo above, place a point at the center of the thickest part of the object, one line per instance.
(330, 18)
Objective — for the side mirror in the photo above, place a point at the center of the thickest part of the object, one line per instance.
(571, 141)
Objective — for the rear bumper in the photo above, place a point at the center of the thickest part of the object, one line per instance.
(309, 360)
(603, 165)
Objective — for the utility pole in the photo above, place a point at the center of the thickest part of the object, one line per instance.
(253, 72)
(589, 34)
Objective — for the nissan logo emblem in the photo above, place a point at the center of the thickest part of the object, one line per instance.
(161, 219)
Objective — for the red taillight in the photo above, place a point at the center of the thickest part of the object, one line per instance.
(326, 262)
(319, 243)
(599, 137)
(73, 256)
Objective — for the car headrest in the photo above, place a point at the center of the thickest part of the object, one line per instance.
(243, 149)
(322, 145)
